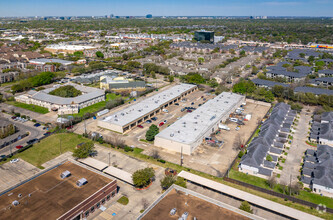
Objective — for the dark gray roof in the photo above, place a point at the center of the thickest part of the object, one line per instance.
(269, 164)
(275, 150)
(307, 172)
(310, 152)
(264, 171)
(327, 72)
(316, 91)
(304, 69)
(322, 79)
(326, 131)
(268, 83)
(306, 179)
(287, 73)
(309, 165)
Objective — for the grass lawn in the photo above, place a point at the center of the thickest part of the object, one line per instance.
(98, 106)
(49, 148)
(30, 107)
(257, 181)
(123, 200)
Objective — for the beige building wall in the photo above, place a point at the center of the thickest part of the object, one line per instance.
(174, 146)
(109, 126)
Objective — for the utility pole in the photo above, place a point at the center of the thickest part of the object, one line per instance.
(109, 158)
(181, 157)
(290, 185)
(60, 145)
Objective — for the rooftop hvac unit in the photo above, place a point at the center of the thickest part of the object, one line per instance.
(172, 134)
(65, 174)
(81, 182)
(15, 203)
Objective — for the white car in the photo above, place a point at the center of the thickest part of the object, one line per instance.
(14, 160)
(165, 110)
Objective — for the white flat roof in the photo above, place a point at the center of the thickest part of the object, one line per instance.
(139, 109)
(285, 210)
(94, 163)
(193, 126)
(120, 174)
(69, 47)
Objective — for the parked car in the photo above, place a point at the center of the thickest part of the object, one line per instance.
(161, 124)
(154, 118)
(140, 126)
(183, 109)
(165, 121)
(148, 121)
(69, 127)
(176, 103)
(37, 125)
(192, 103)
(14, 160)
(237, 128)
(188, 110)
(13, 117)
(19, 146)
(32, 141)
(2, 156)
(47, 133)
(165, 110)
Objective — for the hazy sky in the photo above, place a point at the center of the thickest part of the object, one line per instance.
(167, 7)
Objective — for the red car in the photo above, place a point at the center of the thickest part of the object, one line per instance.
(140, 126)
(188, 110)
(69, 127)
(161, 124)
(19, 146)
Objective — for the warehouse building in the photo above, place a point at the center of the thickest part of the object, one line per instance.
(68, 190)
(70, 105)
(135, 114)
(188, 133)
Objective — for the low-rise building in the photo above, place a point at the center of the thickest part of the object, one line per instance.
(63, 105)
(313, 90)
(66, 49)
(66, 191)
(119, 84)
(137, 113)
(322, 129)
(263, 151)
(186, 134)
(317, 170)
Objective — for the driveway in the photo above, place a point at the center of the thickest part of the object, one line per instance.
(298, 147)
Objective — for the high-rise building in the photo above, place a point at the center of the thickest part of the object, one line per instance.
(149, 16)
(204, 36)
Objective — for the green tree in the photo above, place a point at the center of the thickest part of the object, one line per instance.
(167, 181)
(152, 132)
(84, 150)
(244, 86)
(201, 60)
(99, 54)
(181, 182)
(171, 78)
(142, 178)
(245, 206)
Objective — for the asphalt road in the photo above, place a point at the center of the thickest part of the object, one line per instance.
(27, 126)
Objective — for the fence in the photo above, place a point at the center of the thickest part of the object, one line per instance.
(280, 195)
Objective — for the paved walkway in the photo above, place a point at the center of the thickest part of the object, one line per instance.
(298, 146)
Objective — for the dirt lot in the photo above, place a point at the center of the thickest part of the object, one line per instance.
(196, 207)
(13, 173)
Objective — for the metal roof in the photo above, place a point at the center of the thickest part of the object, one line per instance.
(120, 174)
(316, 91)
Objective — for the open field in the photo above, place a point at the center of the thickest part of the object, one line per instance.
(34, 108)
(50, 148)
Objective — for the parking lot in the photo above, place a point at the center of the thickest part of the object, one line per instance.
(14, 173)
(23, 127)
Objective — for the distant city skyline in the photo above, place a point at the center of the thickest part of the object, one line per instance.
(313, 8)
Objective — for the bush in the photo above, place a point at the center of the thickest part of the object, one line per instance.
(167, 181)
(142, 178)
(245, 206)
(241, 154)
(127, 149)
(123, 200)
(160, 160)
(307, 189)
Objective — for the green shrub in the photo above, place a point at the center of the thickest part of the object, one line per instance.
(127, 149)
(123, 200)
(245, 206)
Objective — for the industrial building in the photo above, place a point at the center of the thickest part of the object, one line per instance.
(68, 190)
(188, 133)
(63, 105)
(135, 114)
